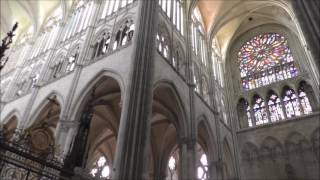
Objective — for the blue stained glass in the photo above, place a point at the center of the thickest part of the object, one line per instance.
(265, 54)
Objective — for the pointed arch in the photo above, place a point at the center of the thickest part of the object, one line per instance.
(296, 142)
(48, 111)
(76, 107)
(179, 106)
(249, 151)
(271, 147)
(244, 113)
(13, 113)
(208, 148)
(228, 166)
(169, 120)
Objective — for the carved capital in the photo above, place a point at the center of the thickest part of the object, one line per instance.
(66, 125)
(189, 142)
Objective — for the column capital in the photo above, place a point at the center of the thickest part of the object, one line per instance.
(66, 124)
(189, 142)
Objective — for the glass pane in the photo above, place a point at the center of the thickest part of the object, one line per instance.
(266, 54)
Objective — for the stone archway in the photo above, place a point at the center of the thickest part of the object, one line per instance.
(95, 143)
(166, 129)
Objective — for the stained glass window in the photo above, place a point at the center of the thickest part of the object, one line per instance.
(172, 169)
(275, 108)
(248, 112)
(305, 104)
(291, 104)
(101, 169)
(163, 46)
(174, 11)
(265, 59)
(259, 111)
(202, 171)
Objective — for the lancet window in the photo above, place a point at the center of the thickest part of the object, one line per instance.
(275, 108)
(124, 34)
(205, 89)
(112, 6)
(56, 68)
(265, 59)
(291, 103)
(172, 168)
(259, 110)
(198, 38)
(304, 100)
(217, 64)
(102, 45)
(79, 19)
(101, 169)
(163, 44)
(174, 11)
(71, 60)
(203, 168)
(196, 78)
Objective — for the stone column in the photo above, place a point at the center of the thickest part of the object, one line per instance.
(187, 158)
(135, 121)
(307, 12)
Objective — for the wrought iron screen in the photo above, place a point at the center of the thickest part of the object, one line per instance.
(18, 162)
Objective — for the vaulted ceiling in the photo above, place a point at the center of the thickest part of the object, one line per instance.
(221, 18)
(226, 19)
(30, 14)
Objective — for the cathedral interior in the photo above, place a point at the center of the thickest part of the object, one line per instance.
(160, 90)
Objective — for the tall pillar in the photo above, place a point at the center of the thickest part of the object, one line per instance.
(188, 158)
(135, 125)
(307, 12)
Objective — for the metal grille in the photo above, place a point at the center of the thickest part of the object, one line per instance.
(20, 163)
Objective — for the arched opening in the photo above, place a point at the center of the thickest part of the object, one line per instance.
(205, 153)
(275, 107)
(307, 98)
(227, 158)
(244, 113)
(40, 135)
(94, 146)
(259, 110)
(10, 127)
(291, 102)
(166, 129)
(102, 139)
(124, 35)
(163, 43)
(271, 160)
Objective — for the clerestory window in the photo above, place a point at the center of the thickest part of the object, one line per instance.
(174, 11)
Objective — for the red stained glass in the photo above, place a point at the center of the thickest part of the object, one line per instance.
(260, 55)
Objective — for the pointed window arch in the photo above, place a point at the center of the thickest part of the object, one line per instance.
(102, 45)
(112, 6)
(275, 107)
(198, 37)
(173, 9)
(124, 35)
(259, 110)
(163, 43)
(291, 103)
(303, 96)
(244, 113)
(101, 168)
(173, 163)
(264, 59)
